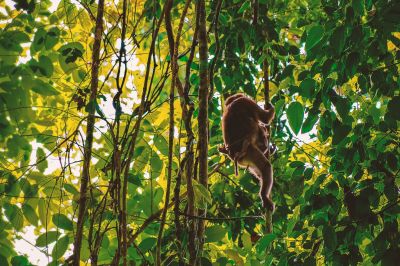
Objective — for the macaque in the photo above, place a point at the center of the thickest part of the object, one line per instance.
(245, 133)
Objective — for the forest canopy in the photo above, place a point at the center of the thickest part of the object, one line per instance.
(110, 123)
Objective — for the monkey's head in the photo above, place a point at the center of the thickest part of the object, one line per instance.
(230, 99)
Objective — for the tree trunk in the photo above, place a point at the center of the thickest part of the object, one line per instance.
(203, 112)
(87, 156)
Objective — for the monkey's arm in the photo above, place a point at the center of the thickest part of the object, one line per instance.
(264, 115)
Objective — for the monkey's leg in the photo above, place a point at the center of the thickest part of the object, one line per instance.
(241, 154)
(262, 169)
(262, 138)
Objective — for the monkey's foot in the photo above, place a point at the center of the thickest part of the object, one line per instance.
(223, 149)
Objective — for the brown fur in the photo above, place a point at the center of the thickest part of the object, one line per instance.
(246, 141)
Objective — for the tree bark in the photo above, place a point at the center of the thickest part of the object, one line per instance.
(87, 156)
(203, 112)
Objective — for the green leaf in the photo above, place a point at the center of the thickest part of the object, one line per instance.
(41, 162)
(161, 144)
(215, 233)
(283, 261)
(264, 242)
(43, 88)
(375, 113)
(85, 250)
(52, 37)
(14, 215)
(46, 66)
(279, 107)
(358, 6)
(71, 189)
(19, 36)
(246, 238)
(69, 53)
(297, 164)
(308, 173)
(3, 260)
(290, 225)
(17, 144)
(27, 188)
(62, 221)
(142, 154)
(30, 214)
(287, 72)
(147, 244)
(135, 179)
(151, 198)
(38, 40)
(342, 106)
(309, 123)
(43, 68)
(11, 40)
(340, 131)
(101, 114)
(60, 248)
(47, 238)
(20, 261)
(338, 39)
(307, 88)
(314, 36)
(244, 7)
(156, 163)
(91, 106)
(201, 192)
(51, 192)
(295, 115)
(43, 212)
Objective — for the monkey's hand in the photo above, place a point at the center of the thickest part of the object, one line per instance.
(269, 106)
(270, 109)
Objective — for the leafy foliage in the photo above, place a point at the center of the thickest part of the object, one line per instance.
(334, 81)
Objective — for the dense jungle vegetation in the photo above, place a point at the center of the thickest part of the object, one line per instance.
(110, 122)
